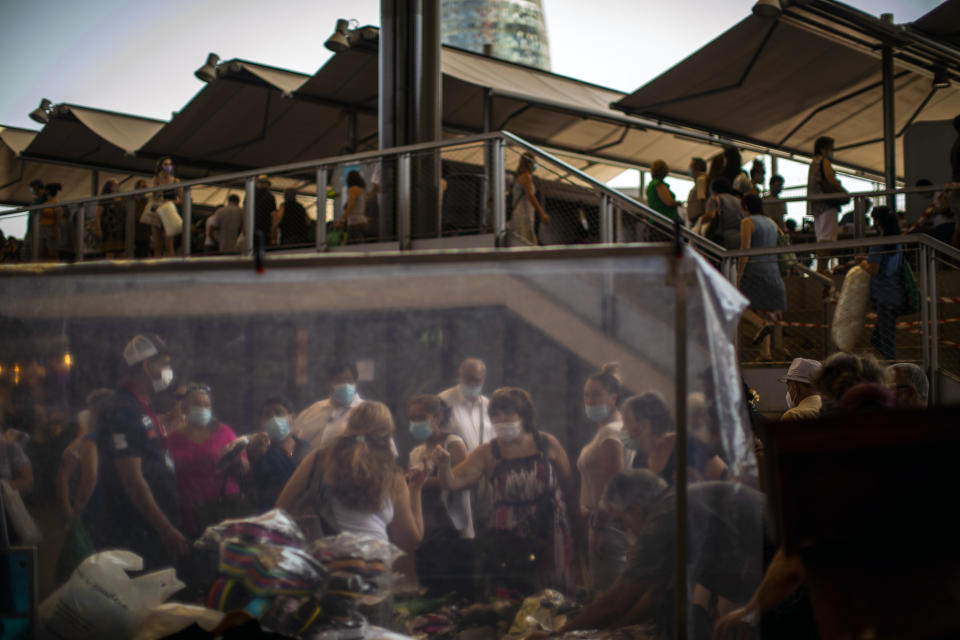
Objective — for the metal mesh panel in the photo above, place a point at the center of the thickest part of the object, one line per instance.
(801, 319)
(947, 279)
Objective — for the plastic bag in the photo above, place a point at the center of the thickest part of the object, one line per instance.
(18, 516)
(366, 557)
(267, 569)
(101, 601)
(170, 219)
(273, 527)
(851, 309)
(173, 617)
(545, 611)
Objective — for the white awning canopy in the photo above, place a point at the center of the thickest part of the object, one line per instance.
(784, 83)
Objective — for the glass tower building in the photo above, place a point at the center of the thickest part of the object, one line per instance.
(515, 29)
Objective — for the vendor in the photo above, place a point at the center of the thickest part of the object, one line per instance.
(725, 561)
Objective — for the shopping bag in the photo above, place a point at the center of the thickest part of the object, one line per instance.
(170, 220)
(851, 309)
(911, 291)
(336, 237)
(101, 601)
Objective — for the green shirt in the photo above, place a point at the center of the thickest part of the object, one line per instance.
(653, 199)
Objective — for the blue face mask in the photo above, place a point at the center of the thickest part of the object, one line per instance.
(596, 412)
(277, 428)
(471, 391)
(199, 416)
(420, 430)
(344, 393)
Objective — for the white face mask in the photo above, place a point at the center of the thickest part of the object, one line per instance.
(790, 404)
(508, 431)
(166, 377)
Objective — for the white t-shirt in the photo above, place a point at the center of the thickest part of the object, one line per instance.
(469, 420)
(315, 422)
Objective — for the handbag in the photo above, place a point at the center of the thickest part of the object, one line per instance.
(313, 509)
(911, 291)
(785, 260)
(829, 188)
(170, 219)
(336, 238)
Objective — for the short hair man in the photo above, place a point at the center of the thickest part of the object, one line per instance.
(726, 542)
(803, 402)
(468, 405)
(325, 420)
(137, 485)
(773, 206)
(910, 385)
(226, 224)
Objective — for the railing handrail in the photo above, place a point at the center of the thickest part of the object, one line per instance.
(859, 243)
(665, 222)
(865, 194)
(253, 173)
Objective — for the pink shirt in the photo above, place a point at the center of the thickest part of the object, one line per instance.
(197, 478)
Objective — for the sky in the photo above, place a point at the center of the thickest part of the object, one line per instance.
(139, 57)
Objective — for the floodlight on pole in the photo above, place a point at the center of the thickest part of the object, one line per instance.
(208, 72)
(940, 79)
(767, 9)
(340, 40)
(42, 113)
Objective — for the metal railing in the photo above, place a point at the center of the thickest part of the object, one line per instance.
(402, 208)
(930, 336)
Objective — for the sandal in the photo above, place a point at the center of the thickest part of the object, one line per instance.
(765, 331)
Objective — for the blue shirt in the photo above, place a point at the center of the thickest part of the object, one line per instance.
(886, 288)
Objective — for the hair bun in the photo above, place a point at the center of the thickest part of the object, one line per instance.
(612, 369)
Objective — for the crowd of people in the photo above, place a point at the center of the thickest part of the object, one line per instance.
(489, 504)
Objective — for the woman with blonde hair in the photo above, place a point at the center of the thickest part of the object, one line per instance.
(659, 196)
(367, 492)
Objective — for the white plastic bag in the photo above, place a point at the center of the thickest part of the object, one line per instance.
(851, 309)
(101, 601)
(18, 516)
(170, 219)
(173, 617)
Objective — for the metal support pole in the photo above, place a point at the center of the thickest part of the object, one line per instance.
(81, 219)
(499, 187)
(94, 182)
(130, 229)
(321, 233)
(248, 216)
(352, 128)
(933, 377)
(403, 201)
(680, 450)
(889, 135)
(925, 310)
(34, 222)
(606, 219)
(618, 225)
(187, 222)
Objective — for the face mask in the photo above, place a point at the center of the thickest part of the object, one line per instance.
(420, 430)
(690, 172)
(596, 412)
(168, 169)
(277, 428)
(471, 392)
(508, 431)
(199, 416)
(790, 404)
(344, 393)
(166, 377)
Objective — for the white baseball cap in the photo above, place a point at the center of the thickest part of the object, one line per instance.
(801, 370)
(143, 347)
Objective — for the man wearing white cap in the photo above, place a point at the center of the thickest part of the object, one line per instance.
(803, 401)
(137, 486)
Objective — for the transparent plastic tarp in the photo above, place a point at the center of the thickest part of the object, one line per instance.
(402, 324)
